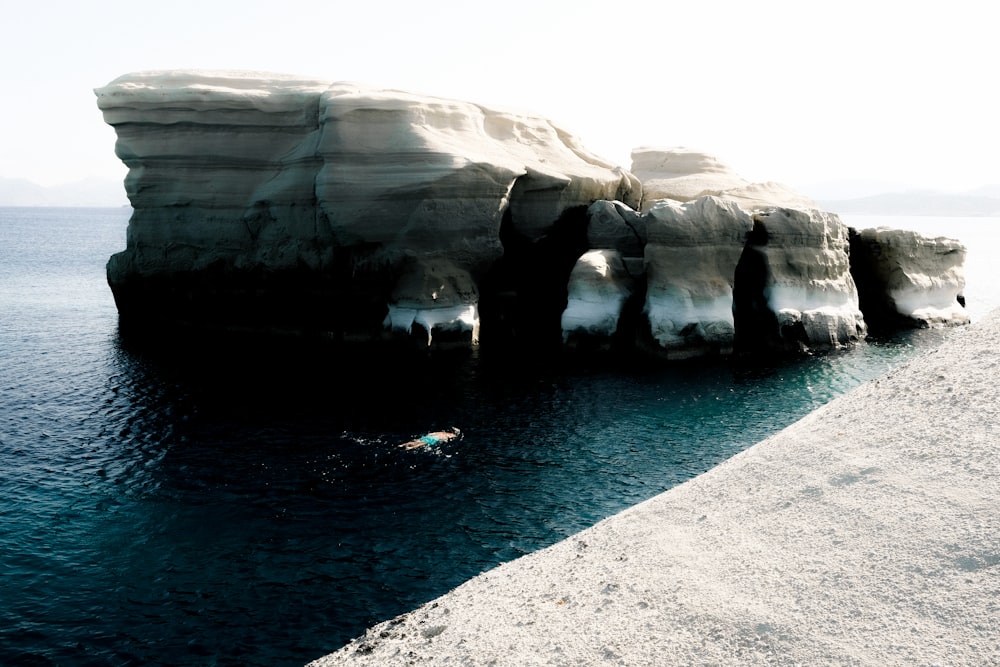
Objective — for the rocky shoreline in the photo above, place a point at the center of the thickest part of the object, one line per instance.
(866, 533)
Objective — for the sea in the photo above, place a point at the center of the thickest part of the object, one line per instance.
(186, 502)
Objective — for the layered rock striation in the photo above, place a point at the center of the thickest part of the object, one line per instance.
(299, 202)
(909, 279)
(691, 259)
(796, 265)
(717, 279)
(269, 202)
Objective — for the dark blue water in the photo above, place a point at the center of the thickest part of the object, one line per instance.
(223, 502)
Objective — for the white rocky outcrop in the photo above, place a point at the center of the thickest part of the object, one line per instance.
(684, 175)
(599, 286)
(910, 277)
(757, 196)
(221, 169)
(431, 174)
(287, 179)
(437, 296)
(614, 224)
(280, 202)
(691, 260)
(681, 174)
(807, 281)
(719, 277)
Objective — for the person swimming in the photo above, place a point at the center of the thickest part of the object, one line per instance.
(431, 439)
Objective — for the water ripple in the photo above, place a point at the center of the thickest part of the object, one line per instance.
(206, 502)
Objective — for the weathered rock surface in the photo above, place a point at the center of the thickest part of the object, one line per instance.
(274, 202)
(681, 174)
(908, 279)
(297, 201)
(691, 260)
(615, 225)
(599, 286)
(797, 262)
(684, 175)
(719, 278)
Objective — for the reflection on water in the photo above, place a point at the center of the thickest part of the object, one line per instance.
(216, 499)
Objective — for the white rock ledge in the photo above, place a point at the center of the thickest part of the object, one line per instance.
(864, 534)
(598, 288)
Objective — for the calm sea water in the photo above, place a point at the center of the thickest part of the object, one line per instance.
(221, 503)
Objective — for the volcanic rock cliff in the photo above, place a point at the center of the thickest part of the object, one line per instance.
(271, 202)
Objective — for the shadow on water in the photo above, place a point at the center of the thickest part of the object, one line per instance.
(214, 500)
(241, 501)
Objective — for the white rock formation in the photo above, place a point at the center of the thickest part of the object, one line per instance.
(221, 168)
(613, 224)
(241, 172)
(691, 261)
(914, 278)
(599, 285)
(681, 174)
(684, 175)
(438, 296)
(712, 284)
(757, 196)
(284, 202)
(435, 174)
(808, 284)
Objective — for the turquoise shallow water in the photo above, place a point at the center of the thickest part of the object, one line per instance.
(248, 504)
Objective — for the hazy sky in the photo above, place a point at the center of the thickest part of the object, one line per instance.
(787, 91)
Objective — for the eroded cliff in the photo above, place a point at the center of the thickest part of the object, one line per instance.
(271, 202)
(268, 199)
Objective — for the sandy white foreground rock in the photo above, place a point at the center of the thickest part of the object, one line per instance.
(864, 534)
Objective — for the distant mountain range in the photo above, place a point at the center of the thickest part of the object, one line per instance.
(848, 197)
(87, 192)
(916, 203)
(859, 197)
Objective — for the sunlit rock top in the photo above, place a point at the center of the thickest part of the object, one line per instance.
(375, 165)
(684, 175)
